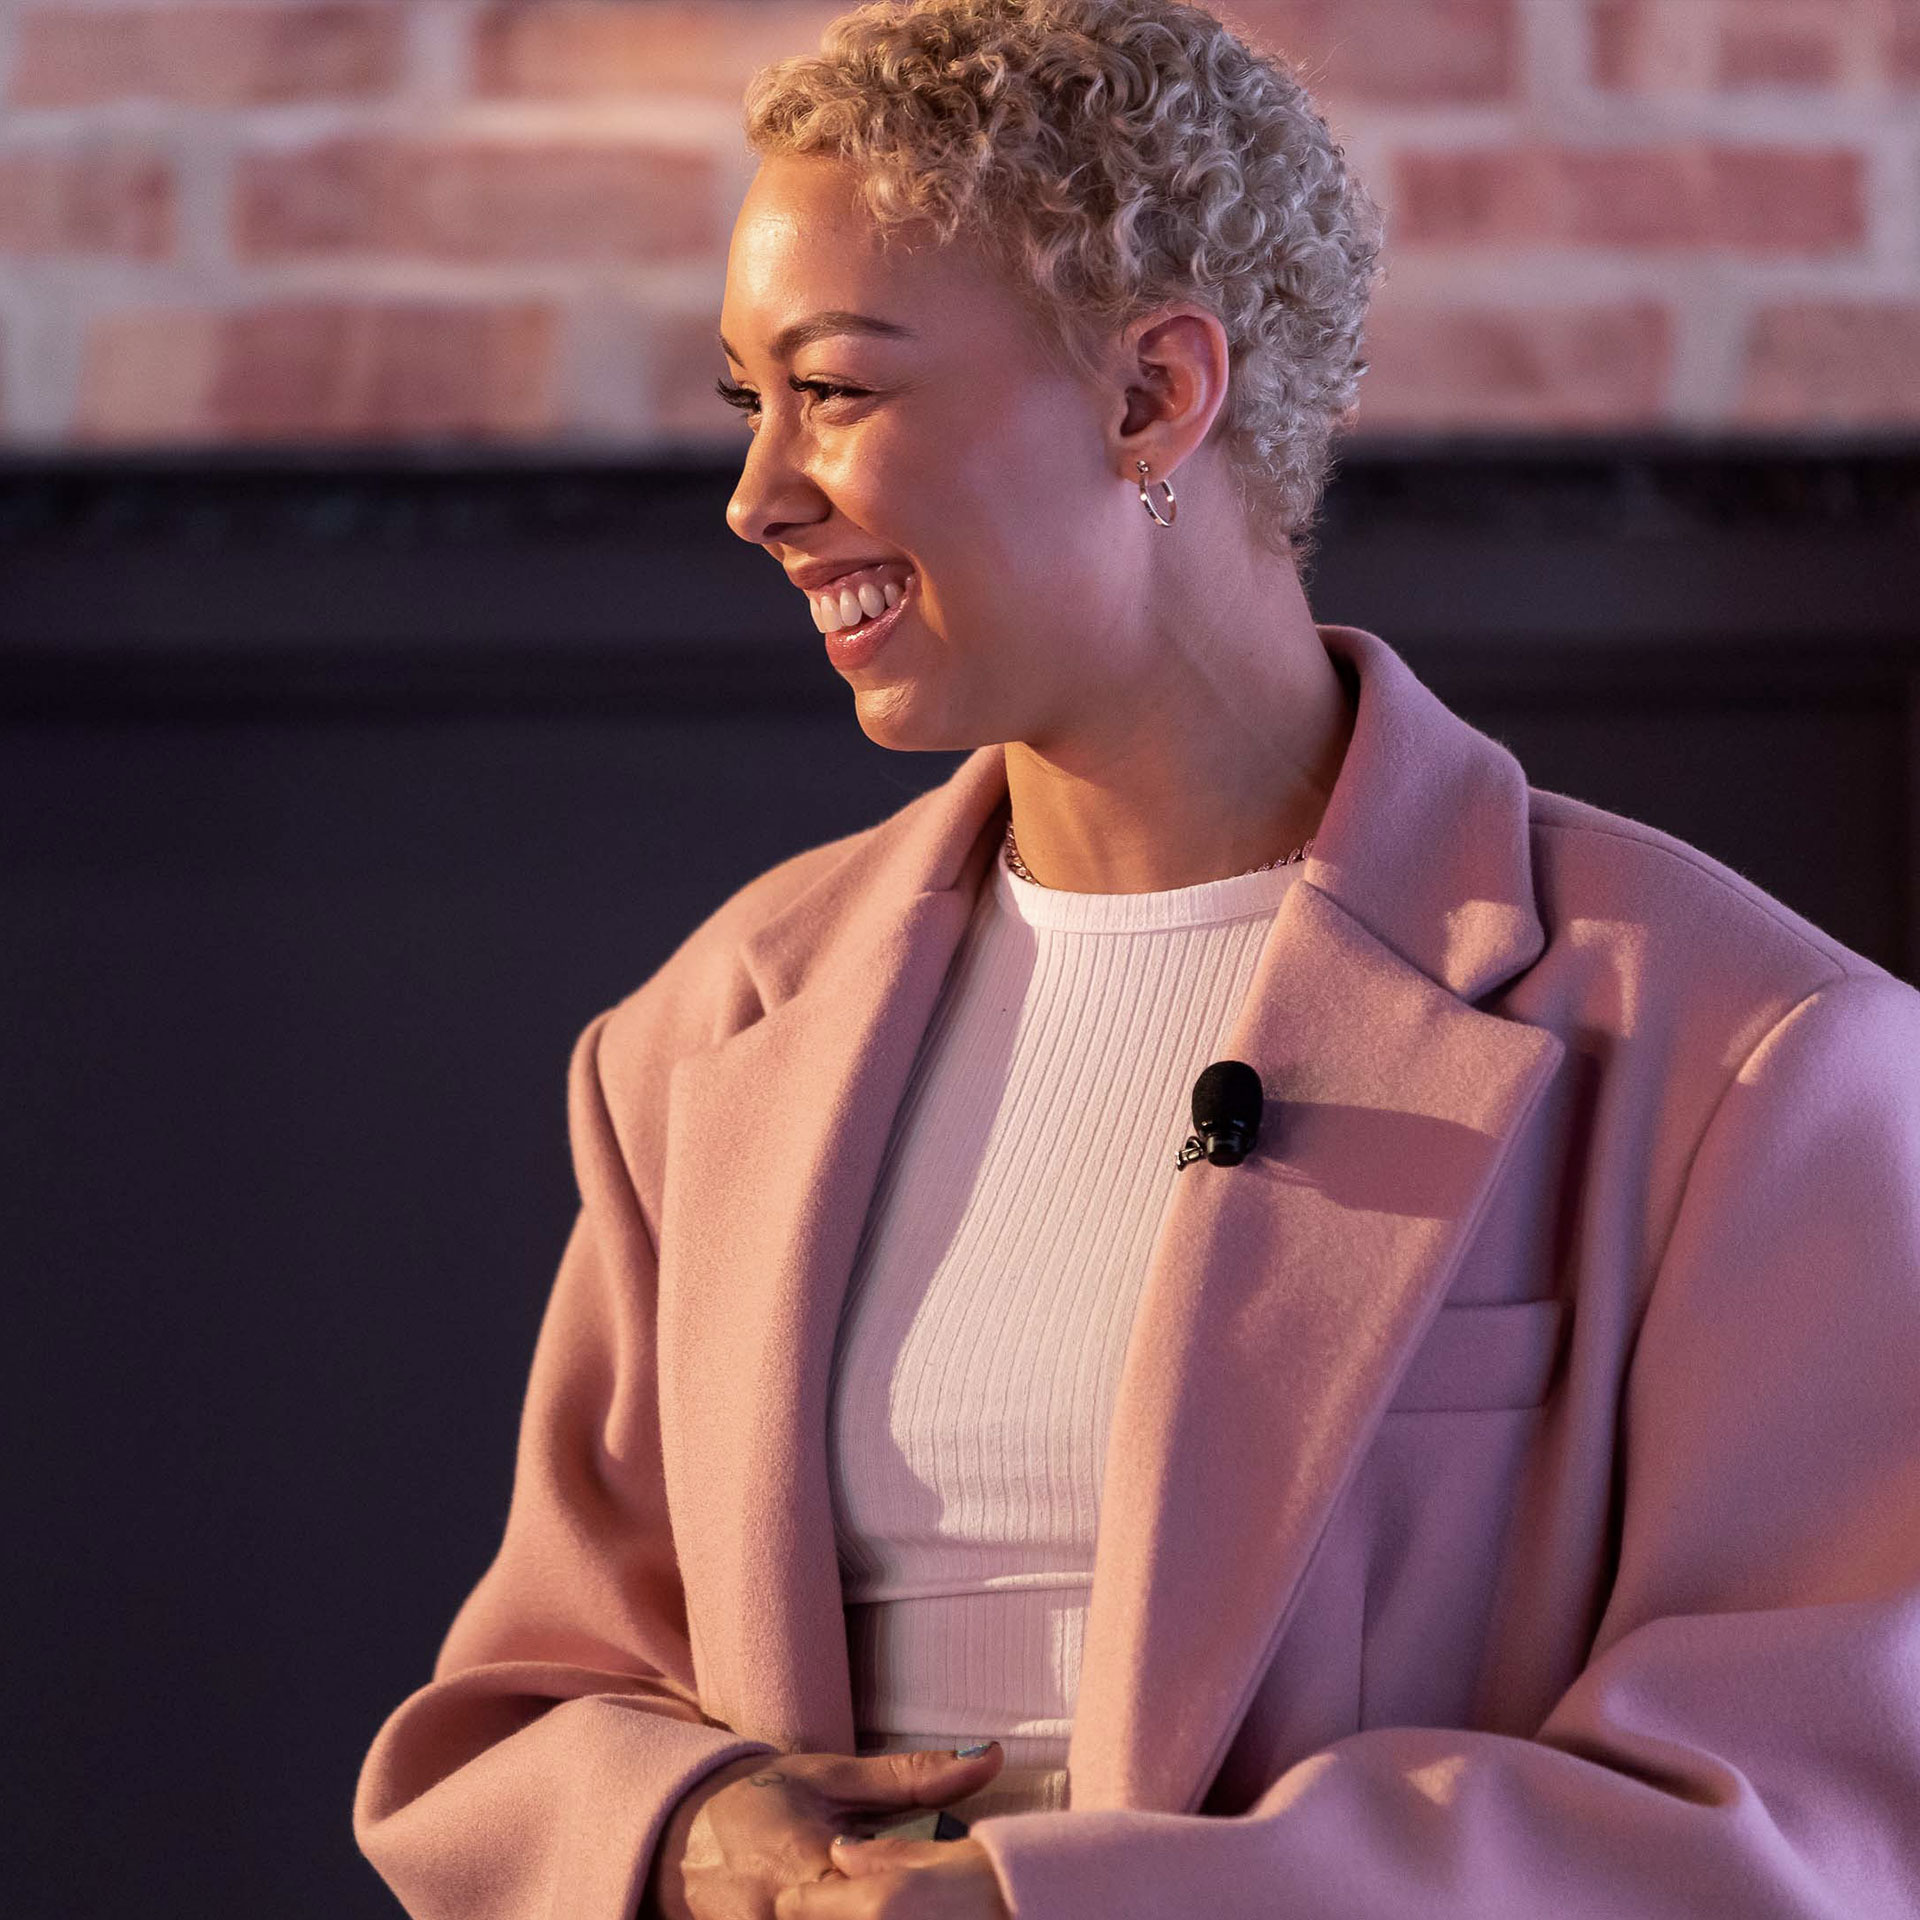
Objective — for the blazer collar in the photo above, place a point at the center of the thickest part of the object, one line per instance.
(1424, 842)
(1283, 1297)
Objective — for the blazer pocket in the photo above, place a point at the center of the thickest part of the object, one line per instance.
(1483, 1358)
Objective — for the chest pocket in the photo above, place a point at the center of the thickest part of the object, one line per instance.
(1483, 1357)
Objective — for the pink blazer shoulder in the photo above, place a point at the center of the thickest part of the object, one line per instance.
(1512, 1504)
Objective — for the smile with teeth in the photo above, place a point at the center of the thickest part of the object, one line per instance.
(859, 596)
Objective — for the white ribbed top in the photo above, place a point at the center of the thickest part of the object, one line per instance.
(992, 1294)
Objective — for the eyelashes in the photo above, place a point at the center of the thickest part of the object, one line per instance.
(748, 402)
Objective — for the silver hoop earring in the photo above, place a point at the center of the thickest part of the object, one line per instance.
(1173, 511)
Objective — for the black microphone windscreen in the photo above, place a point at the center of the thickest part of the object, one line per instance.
(1227, 1094)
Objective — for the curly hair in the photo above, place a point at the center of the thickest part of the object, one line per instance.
(1109, 156)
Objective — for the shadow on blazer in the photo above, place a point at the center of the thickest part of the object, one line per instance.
(1512, 1502)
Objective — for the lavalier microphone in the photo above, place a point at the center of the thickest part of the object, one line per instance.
(1226, 1115)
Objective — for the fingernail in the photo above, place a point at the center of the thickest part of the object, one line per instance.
(972, 1753)
(849, 1839)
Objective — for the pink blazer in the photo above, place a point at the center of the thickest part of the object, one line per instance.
(1513, 1498)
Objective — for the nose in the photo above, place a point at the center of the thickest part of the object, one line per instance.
(772, 494)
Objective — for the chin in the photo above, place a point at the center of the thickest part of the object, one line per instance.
(890, 716)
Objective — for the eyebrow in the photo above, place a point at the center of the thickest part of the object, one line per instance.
(819, 326)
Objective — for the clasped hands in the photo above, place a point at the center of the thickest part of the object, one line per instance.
(767, 1833)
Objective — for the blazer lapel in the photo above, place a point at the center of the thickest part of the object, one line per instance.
(1284, 1298)
(773, 1145)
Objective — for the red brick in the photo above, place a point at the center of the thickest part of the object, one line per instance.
(1791, 199)
(601, 49)
(471, 200)
(1655, 46)
(101, 200)
(320, 371)
(1628, 197)
(1773, 198)
(1833, 362)
(1611, 42)
(1498, 367)
(1719, 45)
(1472, 194)
(208, 55)
(685, 361)
(1431, 52)
(1902, 46)
(1806, 54)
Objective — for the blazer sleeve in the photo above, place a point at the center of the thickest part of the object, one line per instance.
(1744, 1740)
(533, 1775)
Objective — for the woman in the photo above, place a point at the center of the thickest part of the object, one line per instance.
(1504, 1475)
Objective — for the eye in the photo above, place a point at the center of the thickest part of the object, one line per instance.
(748, 402)
(827, 389)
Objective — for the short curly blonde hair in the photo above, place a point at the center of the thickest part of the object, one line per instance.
(1110, 156)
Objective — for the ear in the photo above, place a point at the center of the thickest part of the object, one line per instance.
(1171, 374)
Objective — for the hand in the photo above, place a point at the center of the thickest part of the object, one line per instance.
(901, 1880)
(762, 1824)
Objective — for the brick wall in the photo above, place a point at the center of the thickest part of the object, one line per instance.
(289, 219)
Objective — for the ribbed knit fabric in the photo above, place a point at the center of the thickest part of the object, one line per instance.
(992, 1294)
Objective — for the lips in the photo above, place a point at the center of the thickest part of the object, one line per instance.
(819, 573)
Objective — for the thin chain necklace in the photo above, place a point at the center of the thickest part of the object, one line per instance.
(1019, 866)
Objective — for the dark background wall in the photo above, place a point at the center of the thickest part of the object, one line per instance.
(336, 795)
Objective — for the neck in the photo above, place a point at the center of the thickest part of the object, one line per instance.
(1220, 759)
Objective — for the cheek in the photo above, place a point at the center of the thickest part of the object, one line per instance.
(1025, 435)
(1016, 504)
(1032, 454)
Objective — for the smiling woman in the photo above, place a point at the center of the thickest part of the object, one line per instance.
(1487, 1492)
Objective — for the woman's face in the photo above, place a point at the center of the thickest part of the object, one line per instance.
(962, 460)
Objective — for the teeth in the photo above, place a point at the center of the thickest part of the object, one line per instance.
(836, 608)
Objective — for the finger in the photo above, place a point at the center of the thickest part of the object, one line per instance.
(924, 1777)
(859, 1859)
(833, 1898)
